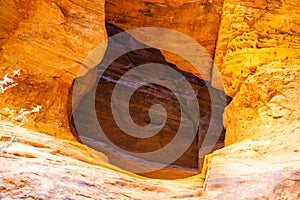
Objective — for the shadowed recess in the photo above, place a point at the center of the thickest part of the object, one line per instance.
(140, 102)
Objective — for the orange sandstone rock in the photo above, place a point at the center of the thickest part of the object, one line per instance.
(43, 167)
(48, 41)
(197, 19)
(253, 36)
(262, 153)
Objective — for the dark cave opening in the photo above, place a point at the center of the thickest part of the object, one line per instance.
(189, 163)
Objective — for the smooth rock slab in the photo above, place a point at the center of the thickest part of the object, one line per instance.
(38, 166)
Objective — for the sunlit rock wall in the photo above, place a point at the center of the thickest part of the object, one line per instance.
(258, 41)
(258, 56)
(48, 41)
(266, 106)
(254, 36)
(262, 153)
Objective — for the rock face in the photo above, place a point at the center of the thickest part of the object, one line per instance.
(263, 127)
(254, 36)
(197, 19)
(249, 169)
(141, 100)
(258, 44)
(48, 41)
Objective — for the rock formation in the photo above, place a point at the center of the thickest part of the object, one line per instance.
(266, 107)
(38, 166)
(262, 124)
(257, 54)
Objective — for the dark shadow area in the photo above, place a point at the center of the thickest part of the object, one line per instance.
(140, 102)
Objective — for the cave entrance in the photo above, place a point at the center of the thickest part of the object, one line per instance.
(189, 163)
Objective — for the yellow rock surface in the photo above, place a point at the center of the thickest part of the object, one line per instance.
(266, 105)
(262, 153)
(253, 36)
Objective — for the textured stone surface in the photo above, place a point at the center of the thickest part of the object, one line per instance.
(197, 19)
(47, 41)
(253, 36)
(262, 157)
(266, 105)
(142, 99)
(38, 166)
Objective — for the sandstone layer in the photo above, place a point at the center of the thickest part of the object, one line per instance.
(196, 19)
(267, 169)
(38, 166)
(263, 166)
(48, 41)
(253, 36)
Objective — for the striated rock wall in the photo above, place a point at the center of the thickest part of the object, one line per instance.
(255, 168)
(254, 36)
(47, 41)
(140, 102)
(197, 19)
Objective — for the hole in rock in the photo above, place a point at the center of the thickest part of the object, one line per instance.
(117, 143)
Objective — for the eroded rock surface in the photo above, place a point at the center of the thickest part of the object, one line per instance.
(267, 104)
(266, 169)
(253, 36)
(48, 41)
